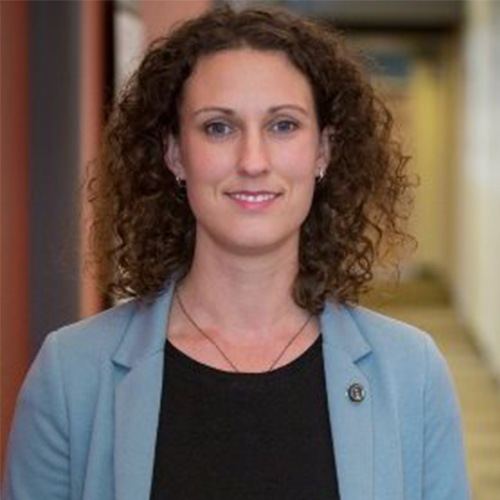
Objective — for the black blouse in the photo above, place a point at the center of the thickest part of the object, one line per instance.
(241, 436)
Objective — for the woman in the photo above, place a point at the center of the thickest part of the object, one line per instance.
(247, 184)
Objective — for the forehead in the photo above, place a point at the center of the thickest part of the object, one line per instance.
(246, 77)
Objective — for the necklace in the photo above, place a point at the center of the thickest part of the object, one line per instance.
(223, 354)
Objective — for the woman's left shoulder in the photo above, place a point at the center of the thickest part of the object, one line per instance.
(411, 389)
(392, 343)
(387, 334)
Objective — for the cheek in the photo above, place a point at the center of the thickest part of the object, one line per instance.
(298, 163)
(205, 166)
(206, 175)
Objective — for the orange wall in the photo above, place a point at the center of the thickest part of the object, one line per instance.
(159, 17)
(92, 96)
(14, 339)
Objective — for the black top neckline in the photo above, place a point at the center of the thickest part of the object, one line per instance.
(249, 436)
(197, 367)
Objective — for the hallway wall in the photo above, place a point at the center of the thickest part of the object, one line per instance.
(14, 197)
(55, 82)
(160, 17)
(433, 101)
(478, 198)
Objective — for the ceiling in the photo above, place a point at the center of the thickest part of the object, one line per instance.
(404, 14)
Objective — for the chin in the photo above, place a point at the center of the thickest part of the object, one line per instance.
(261, 243)
(250, 238)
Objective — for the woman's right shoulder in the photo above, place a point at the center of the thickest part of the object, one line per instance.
(58, 401)
(73, 359)
(98, 344)
(94, 338)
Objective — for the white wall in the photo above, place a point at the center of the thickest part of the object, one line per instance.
(478, 229)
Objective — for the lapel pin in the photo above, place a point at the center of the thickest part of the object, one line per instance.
(356, 393)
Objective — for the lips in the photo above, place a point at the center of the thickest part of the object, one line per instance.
(253, 200)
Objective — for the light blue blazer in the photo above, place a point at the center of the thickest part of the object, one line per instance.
(87, 415)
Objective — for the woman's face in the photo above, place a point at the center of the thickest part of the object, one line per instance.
(249, 149)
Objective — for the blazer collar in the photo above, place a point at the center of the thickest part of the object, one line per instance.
(344, 347)
(138, 397)
(145, 334)
(139, 359)
(340, 331)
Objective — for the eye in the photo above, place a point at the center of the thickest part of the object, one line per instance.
(284, 126)
(217, 129)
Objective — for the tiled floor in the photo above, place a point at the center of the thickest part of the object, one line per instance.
(479, 393)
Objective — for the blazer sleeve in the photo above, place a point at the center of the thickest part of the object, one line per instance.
(445, 474)
(37, 463)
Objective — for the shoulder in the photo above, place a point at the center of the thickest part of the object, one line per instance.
(408, 358)
(387, 347)
(97, 336)
(76, 362)
(89, 352)
(412, 390)
(381, 329)
(392, 338)
(77, 350)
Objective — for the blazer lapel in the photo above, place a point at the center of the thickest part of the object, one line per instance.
(351, 421)
(139, 361)
(137, 398)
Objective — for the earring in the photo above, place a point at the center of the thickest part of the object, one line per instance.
(320, 176)
(181, 183)
(321, 170)
(180, 192)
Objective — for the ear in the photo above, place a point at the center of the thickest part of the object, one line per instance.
(324, 153)
(173, 157)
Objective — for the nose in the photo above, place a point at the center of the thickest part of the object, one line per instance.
(253, 154)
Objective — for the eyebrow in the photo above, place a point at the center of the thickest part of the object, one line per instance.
(272, 109)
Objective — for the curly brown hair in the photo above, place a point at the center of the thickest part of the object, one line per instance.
(144, 230)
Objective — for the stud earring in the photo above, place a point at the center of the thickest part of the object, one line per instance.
(181, 192)
(320, 176)
(181, 183)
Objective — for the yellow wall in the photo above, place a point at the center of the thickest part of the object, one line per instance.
(478, 200)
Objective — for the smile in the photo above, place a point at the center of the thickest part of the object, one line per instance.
(254, 200)
(254, 197)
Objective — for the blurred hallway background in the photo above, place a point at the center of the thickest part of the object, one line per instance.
(437, 64)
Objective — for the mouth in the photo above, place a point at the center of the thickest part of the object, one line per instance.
(253, 196)
(253, 199)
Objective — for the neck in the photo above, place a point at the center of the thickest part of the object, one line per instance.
(243, 298)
